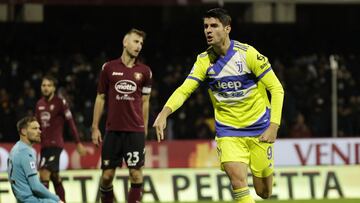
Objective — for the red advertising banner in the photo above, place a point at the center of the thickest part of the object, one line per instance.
(203, 154)
(171, 154)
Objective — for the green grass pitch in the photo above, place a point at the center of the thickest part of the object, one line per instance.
(291, 201)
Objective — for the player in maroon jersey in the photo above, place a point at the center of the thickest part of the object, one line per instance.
(51, 112)
(126, 84)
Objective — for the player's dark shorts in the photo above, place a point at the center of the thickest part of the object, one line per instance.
(118, 146)
(50, 158)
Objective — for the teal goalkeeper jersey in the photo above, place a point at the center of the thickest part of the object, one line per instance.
(22, 174)
(237, 84)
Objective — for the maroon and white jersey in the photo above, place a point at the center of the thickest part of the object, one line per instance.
(124, 88)
(51, 115)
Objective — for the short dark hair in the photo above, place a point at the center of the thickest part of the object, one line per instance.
(51, 78)
(24, 122)
(138, 32)
(220, 14)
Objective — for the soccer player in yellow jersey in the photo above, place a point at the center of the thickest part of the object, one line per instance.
(246, 122)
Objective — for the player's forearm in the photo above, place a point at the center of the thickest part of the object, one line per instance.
(145, 108)
(98, 110)
(74, 130)
(181, 94)
(40, 190)
(277, 96)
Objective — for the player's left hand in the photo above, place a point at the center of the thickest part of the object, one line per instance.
(270, 134)
(81, 149)
(160, 123)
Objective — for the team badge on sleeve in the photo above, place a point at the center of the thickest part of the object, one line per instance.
(32, 165)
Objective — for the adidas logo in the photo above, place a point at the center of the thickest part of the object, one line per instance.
(211, 71)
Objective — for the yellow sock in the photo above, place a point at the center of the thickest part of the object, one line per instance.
(242, 195)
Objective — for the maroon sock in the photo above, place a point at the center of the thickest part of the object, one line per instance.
(45, 183)
(59, 190)
(107, 194)
(135, 193)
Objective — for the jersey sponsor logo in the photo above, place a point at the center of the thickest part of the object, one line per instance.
(118, 73)
(228, 85)
(138, 76)
(125, 86)
(231, 94)
(125, 97)
(41, 108)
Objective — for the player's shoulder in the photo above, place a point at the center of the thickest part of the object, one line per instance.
(59, 100)
(21, 150)
(206, 54)
(242, 47)
(143, 66)
(109, 64)
(40, 102)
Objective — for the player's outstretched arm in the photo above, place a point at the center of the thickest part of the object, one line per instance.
(175, 101)
(40, 190)
(98, 110)
(160, 122)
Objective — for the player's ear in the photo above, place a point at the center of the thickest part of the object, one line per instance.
(125, 40)
(23, 131)
(227, 29)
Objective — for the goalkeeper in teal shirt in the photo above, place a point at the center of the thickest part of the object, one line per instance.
(22, 170)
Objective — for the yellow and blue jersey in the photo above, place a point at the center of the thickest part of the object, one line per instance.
(237, 88)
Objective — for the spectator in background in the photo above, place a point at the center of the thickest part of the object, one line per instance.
(300, 129)
(51, 112)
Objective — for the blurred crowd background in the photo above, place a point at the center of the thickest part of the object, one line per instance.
(73, 42)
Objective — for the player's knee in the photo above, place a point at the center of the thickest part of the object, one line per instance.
(107, 178)
(44, 174)
(265, 194)
(136, 176)
(238, 182)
